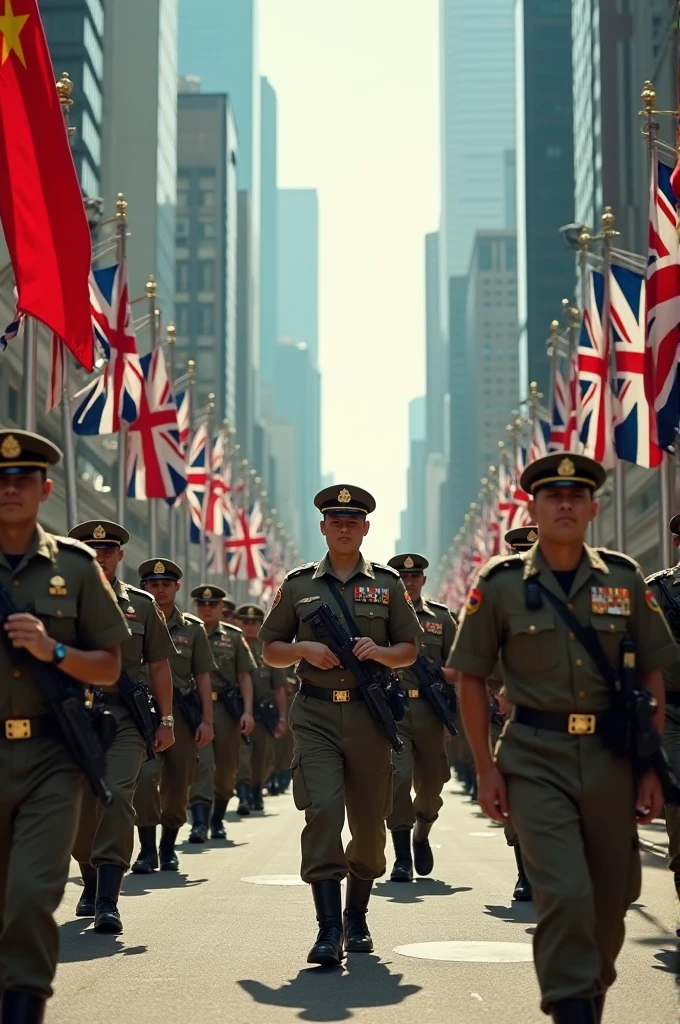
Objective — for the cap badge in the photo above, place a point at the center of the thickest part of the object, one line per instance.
(532, 537)
(344, 497)
(98, 533)
(10, 448)
(566, 468)
(207, 592)
(159, 567)
(408, 562)
(251, 611)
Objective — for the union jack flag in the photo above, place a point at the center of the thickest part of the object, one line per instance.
(540, 436)
(183, 400)
(13, 328)
(663, 310)
(246, 547)
(564, 427)
(595, 405)
(219, 509)
(634, 419)
(155, 464)
(116, 394)
(197, 480)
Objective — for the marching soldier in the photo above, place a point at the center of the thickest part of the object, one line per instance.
(270, 686)
(423, 763)
(218, 762)
(163, 788)
(341, 761)
(76, 627)
(103, 846)
(573, 800)
(665, 586)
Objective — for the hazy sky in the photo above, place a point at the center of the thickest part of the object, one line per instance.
(357, 88)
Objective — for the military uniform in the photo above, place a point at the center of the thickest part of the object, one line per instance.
(341, 760)
(40, 795)
(218, 762)
(105, 837)
(163, 789)
(423, 763)
(571, 799)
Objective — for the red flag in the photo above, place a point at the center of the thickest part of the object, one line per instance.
(41, 205)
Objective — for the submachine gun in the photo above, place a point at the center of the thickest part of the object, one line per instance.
(139, 702)
(436, 691)
(233, 702)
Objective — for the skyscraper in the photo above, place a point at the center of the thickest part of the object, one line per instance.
(413, 516)
(298, 267)
(269, 254)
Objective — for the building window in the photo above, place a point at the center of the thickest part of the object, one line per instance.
(208, 197)
(182, 195)
(208, 229)
(182, 318)
(93, 48)
(92, 92)
(182, 276)
(207, 320)
(207, 276)
(90, 137)
(12, 404)
(205, 365)
(181, 227)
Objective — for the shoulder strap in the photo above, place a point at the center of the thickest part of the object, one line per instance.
(586, 635)
(332, 586)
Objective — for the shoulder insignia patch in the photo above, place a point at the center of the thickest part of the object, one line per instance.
(307, 567)
(385, 568)
(499, 562)
(75, 545)
(652, 602)
(474, 601)
(617, 558)
(276, 600)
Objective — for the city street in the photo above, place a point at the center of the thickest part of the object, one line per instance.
(226, 939)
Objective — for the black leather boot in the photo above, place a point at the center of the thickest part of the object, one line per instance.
(200, 817)
(166, 850)
(357, 936)
(599, 1006)
(256, 801)
(522, 892)
(85, 906)
(676, 880)
(327, 950)
(273, 785)
(22, 1007)
(217, 830)
(147, 858)
(106, 917)
(574, 1011)
(243, 794)
(403, 865)
(423, 858)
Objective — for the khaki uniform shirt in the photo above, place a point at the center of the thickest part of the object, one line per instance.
(232, 655)
(149, 640)
(59, 581)
(265, 678)
(439, 631)
(665, 586)
(193, 650)
(544, 665)
(375, 596)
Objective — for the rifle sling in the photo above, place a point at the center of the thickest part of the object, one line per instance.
(332, 586)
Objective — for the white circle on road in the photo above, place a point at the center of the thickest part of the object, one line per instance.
(484, 835)
(470, 952)
(273, 879)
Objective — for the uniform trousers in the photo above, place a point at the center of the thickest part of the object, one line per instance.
(258, 766)
(671, 742)
(495, 731)
(340, 761)
(39, 806)
(283, 747)
(422, 764)
(163, 788)
(218, 762)
(106, 834)
(573, 806)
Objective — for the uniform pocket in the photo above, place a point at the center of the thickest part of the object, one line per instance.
(301, 797)
(60, 616)
(372, 621)
(533, 642)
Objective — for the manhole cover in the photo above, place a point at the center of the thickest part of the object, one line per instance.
(470, 952)
(273, 879)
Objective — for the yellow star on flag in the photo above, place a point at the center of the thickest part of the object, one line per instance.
(11, 25)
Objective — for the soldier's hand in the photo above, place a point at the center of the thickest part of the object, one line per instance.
(280, 728)
(649, 798)
(247, 724)
(204, 734)
(165, 737)
(319, 655)
(366, 649)
(28, 632)
(492, 794)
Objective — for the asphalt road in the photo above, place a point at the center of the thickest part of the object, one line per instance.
(208, 945)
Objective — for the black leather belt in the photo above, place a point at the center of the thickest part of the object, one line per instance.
(109, 698)
(556, 721)
(336, 696)
(29, 728)
(673, 697)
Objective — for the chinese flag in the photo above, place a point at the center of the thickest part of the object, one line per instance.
(41, 206)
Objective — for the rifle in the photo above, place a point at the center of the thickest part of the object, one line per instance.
(436, 691)
(67, 705)
(233, 702)
(190, 706)
(328, 629)
(266, 714)
(138, 701)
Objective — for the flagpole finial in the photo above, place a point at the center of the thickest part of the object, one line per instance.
(274, 513)
(121, 206)
(64, 90)
(648, 97)
(191, 368)
(151, 287)
(170, 334)
(555, 328)
(608, 221)
(574, 315)
(584, 239)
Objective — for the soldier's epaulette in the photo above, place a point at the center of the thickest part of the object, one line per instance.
(190, 617)
(307, 567)
(499, 562)
(234, 629)
(438, 604)
(660, 575)
(617, 557)
(75, 545)
(385, 568)
(138, 592)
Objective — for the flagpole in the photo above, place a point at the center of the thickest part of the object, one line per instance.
(619, 503)
(206, 497)
(30, 372)
(186, 511)
(121, 231)
(154, 316)
(172, 510)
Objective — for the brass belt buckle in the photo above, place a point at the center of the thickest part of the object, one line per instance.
(214, 695)
(582, 725)
(340, 696)
(18, 729)
(414, 693)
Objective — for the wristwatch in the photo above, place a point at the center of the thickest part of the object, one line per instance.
(58, 654)
(168, 721)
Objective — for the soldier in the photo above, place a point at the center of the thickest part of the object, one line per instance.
(665, 586)
(103, 846)
(76, 626)
(341, 760)
(218, 762)
(163, 789)
(422, 763)
(229, 610)
(573, 800)
(270, 685)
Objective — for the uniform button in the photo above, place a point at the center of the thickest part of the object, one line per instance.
(579, 662)
(570, 607)
(58, 613)
(341, 680)
(532, 628)
(370, 613)
(17, 673)
(581, 693)
(16, 583)
(572, 636)
(612, 626)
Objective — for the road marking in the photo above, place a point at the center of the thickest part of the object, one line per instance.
(484, 835)
(470, 952)
(273, 879)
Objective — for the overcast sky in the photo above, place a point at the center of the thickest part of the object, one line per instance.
(357, 88)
